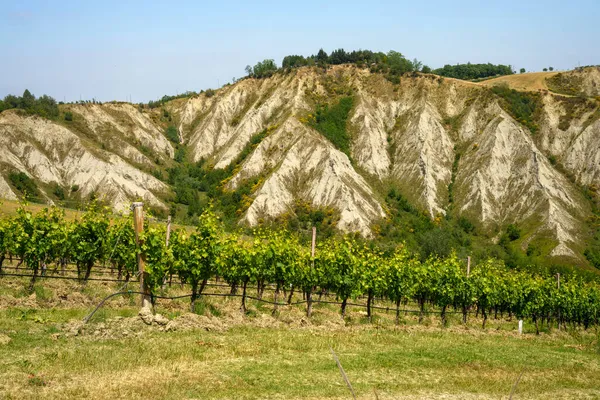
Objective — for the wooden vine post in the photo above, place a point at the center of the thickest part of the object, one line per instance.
(468, 266)
(558, 287)
(312, 257)
(168, 230)
(138, 226)
(168, 236)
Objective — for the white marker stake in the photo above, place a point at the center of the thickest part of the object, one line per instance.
(520, 327)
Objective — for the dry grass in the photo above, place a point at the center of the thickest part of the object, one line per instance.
(224, 355)
(531, 81)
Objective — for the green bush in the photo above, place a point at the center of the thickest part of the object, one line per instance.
(24, 184)
(69, 116)
(513, 232)
(172, 134)
(331, 122)
(520, 105)
(44, 106)
(59, 192)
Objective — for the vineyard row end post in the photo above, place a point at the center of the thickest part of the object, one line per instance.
(138, 226)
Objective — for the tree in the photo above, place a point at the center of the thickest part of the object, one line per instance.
(545, 69)
(398, 63)
(426, 69)
(338, 56)
(416, 65)
(522, 70)
(28, 100)
(263, 69)
(551, 68)
(322, 57)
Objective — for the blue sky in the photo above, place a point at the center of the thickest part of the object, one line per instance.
(110, 50)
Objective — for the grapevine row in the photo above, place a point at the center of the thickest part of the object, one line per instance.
(342, 266)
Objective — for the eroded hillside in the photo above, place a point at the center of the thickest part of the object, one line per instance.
(448, 146)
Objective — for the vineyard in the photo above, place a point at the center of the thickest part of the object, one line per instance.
(343, 269)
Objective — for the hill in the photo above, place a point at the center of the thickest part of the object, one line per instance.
(531, 81)
(340, 147)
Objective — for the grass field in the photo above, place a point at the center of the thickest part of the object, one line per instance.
(531, 81)
(221, 354)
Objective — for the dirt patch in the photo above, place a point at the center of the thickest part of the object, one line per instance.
(4, 339)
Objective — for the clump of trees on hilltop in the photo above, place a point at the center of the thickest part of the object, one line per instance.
(393, 63)
(474, 71)
(44, 106)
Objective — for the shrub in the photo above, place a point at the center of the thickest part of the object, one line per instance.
(59, 192)
(513, 232)
(172, 134)
(209, 93)
(466, 225)
(331, 122)
(24, 184)
(522, 106)
(69, 116)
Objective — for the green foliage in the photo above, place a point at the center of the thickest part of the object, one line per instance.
(122, 248)
(69, 116)
(38, 238)
(179, 154)
(44, 106)
(513, 232)
(209, 93)
(58, 191)
(304, 216)
(24, 185)
(473, 71)
(332, 121)
(89, 238)
(522, 70)
(520, 105)
(262, 69)
(466, 225)
(172, 134)
(344, 266)
(195, 184)
(157, 256)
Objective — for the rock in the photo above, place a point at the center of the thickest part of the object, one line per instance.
(160, 320)
(171, 327)
(76, 328)
(146, 315)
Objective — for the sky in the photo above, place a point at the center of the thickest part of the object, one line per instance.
(140, 50)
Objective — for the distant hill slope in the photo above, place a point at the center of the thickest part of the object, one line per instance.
(579, 82)
(339, 139)
(530, 81)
